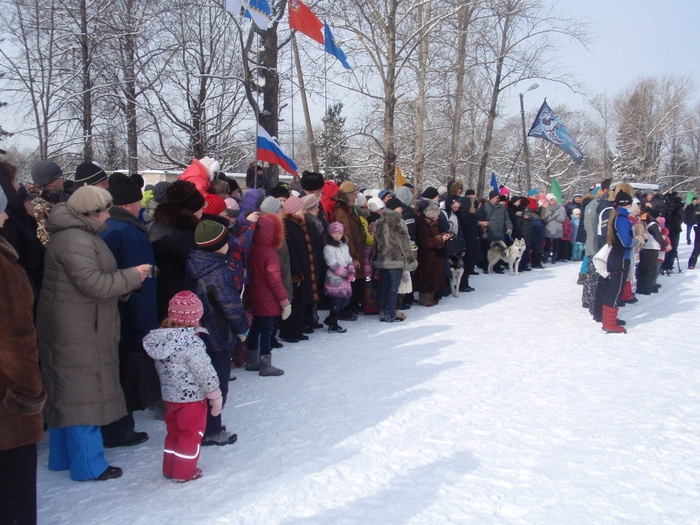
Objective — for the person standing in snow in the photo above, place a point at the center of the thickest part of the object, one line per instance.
(187, 379)
(340, 274)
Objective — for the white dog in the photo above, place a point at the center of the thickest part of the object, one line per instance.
(510, 254)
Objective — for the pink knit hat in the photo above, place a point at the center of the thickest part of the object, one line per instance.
(292, 204)
(185, 308)
(335, 227)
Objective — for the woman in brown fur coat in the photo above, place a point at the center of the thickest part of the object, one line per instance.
(430, 276)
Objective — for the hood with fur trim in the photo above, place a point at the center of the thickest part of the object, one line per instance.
(270, 232)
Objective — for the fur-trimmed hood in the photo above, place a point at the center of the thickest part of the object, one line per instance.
(175, 216)
(270, 231)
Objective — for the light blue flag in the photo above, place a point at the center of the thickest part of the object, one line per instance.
(332, 48)
(547, 126)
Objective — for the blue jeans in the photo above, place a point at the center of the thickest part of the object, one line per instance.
(260, 334)
(338, 303)
(388, 290)
(78, 448)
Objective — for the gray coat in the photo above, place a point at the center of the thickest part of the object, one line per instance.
(391, 243)
(78, 323)
(589, 223)
(499, 221)
(554, 217)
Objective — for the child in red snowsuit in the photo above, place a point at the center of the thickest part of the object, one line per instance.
(187, 379)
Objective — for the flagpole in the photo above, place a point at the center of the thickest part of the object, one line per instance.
(305, 105)
(291, 78)
(325, 109)
(257, 103)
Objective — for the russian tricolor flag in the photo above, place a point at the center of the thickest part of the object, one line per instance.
(270, 151)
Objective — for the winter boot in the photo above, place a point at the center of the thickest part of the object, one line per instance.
(400, 315)
(266, 368)
(252, 359)
(334, 328)
(610, 321)
(581, 278)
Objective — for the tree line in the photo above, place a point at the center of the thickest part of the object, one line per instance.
(138, 84)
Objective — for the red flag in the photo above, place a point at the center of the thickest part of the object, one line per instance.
(305, 21)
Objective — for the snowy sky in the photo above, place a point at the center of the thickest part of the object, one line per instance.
(631, 38)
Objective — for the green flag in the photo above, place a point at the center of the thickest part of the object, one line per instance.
(689, 197)
(556, 190)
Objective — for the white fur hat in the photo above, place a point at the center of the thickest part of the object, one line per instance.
(212, 166)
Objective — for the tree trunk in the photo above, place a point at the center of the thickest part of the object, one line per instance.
(423, 48)
(269, 116)
(463, 25)
(87, 84)
(130, 89)
(389, 141)
(492, 107)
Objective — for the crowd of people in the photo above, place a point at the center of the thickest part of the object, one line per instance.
(119, 297)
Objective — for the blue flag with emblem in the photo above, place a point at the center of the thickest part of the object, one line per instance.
(549, 127)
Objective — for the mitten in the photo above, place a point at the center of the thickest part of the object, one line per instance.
(406, 277)
(243, 337)
(286, 311)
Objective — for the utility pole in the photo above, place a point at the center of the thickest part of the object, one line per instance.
(526, 152)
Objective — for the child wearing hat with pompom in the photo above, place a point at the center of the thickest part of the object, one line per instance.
(339, 275)
(187, 379)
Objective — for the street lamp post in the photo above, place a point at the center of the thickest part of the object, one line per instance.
(526, 152)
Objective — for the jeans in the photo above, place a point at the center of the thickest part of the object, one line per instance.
(338, 303)
(388, 290)
(260, 334)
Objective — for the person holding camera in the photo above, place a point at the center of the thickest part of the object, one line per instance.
(78, 334)
(127, 239)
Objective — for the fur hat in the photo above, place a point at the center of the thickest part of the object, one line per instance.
(311, 181)
(89, 174)
(210, 236)
(375, 204)
(185, 308)
(394, 203)
(432, 211)
(90, 200)
(442, 189)
(159, 191)
(347, 187)
(45, 172)
(184, 194)
(493, 193)
(270, 205)
(3, 200)
(123, 189)
(212, 166)
(430, 193)
(310, 202)
(282, 189)
(215, 204)
(292, 205)
(336, 227)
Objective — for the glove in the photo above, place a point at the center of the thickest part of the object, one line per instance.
(286, 311)
(508, 232)
(216, 405)
(243, 337)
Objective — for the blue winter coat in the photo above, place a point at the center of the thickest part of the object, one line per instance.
(208, 276)
(128, 242)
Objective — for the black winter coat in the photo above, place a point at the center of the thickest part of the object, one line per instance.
(302, 260)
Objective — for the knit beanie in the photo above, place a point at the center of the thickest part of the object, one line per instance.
(310, 202)
(375, 204)
(469, 192)
(3, 200)
(89, 174)
(123, 189)
(493, 193)
(138, 179)
(215, 204)
(430, 193)
(184, 194)
(210, 236)
(623, 199)
(90, 200)
(383, 194)
(393, 203)
(292, 205)
(533, 192)
(335, 227)
(361, 200)
(432, 211)
(270, 205)
(311, 181)
(45, 172)
(159, 191)
(185, 308)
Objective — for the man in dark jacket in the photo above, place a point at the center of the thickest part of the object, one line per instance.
(494, 218)
(689, 217)
(128, 242)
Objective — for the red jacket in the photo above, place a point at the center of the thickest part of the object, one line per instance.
(267, 293)
(198, 175)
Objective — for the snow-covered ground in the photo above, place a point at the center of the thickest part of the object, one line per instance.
(505, 405)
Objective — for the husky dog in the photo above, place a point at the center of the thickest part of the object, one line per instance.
(456, 269)
(510, 254)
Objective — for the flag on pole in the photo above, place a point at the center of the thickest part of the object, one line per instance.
(302, 19)
(689, 197)
(332, 48)
(257, 10)
(547, 126)
(269, 150)
(556, 190)
(400, 181)
(494, 182)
